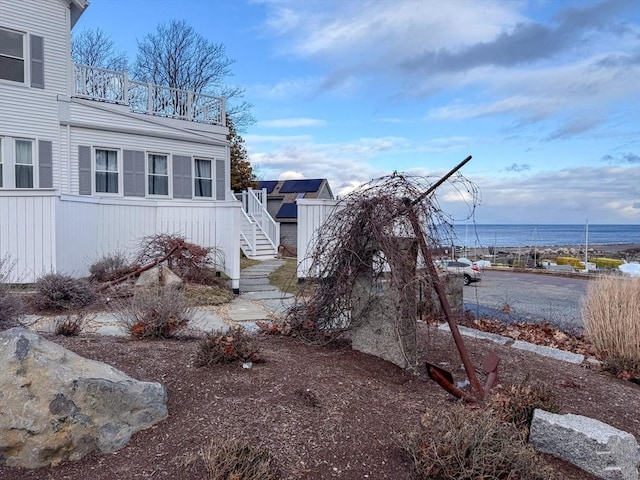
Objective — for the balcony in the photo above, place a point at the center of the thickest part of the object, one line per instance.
(104, 85)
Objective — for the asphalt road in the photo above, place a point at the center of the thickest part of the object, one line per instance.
(514, 296)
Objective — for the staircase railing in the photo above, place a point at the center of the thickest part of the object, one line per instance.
(254, 207)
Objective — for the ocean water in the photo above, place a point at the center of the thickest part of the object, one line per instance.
(474, 235)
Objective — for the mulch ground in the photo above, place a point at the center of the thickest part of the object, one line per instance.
(323, 412)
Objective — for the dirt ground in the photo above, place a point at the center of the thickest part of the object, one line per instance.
(323, 412)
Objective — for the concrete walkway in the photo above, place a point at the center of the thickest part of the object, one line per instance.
(258, 301)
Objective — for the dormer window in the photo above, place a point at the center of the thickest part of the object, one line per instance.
(12, 56)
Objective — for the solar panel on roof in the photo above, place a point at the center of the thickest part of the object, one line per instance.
(291, 186)
(288, 210)
(268, 184)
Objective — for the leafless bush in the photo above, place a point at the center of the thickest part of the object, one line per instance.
(189, 261)
(109, 267)
(515, 403)
(56, 291)
(69, 325)
(227, 347)
(229, 459)
(611, 314)
(370, 243)
(11, 306)
(471, 444)
(156, 312)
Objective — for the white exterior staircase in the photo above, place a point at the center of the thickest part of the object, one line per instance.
(260, 233)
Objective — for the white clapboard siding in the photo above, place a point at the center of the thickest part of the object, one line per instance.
(146, 143)
(312, 214)
(32, 113)
(27, 235)
(42, 232)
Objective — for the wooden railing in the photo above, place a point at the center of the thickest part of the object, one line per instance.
(116, 87)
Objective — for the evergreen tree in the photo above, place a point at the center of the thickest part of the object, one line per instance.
(242, 176)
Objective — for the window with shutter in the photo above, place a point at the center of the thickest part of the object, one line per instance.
(12, 55)
(24, 163)
(106, 171)
(158, 174)
(202, 178)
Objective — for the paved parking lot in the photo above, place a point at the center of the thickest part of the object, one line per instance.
(514, 296)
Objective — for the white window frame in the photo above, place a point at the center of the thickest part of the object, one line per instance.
(33, 164)
(212, 179)
(148, 174)
(25, 58)
(95, 171)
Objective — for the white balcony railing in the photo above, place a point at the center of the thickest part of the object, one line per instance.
(115, 87)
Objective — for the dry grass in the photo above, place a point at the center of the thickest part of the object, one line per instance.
(201, 295)
(231, 459)
(611, 314)
(11, 307)
(515, 403)
(285, 277)
(470, 444)
(70, 325)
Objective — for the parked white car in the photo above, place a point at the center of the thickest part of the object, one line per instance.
(470, 272)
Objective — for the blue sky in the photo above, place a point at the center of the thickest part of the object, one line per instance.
(545, 94)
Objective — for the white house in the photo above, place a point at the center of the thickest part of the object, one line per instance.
(91, 161)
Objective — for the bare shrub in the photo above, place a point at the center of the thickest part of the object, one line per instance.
(154, 312)
(470, 444)
(189, 261)
(11, 307)
(227, 347)
(515, 403)
(55, 291)
(109, 267)
(229, 459)
(611, 315)
(69, 325)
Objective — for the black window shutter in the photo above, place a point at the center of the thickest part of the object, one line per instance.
(134, 173)
(220, 180)
(84, 170)
(45, 164)
(37, 61)
(181, 176)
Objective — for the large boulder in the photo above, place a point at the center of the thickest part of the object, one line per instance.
(56, 405)
(590, 444)
(159, 276)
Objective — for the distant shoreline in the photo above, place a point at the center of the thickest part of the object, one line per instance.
(612, 249)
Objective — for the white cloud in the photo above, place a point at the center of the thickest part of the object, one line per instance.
(277, 139)
(287, 88)
(291, 122)
(291, 175)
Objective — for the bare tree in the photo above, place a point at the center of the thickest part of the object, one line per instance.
(179, 57)
(94, 47)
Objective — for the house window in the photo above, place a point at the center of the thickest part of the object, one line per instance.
(24, 163)
(106, 171)
(203, 179)
(1, 184)
(11, 55)
(158, 174)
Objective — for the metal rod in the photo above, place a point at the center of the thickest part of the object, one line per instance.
(441, 181)
(444, 302)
